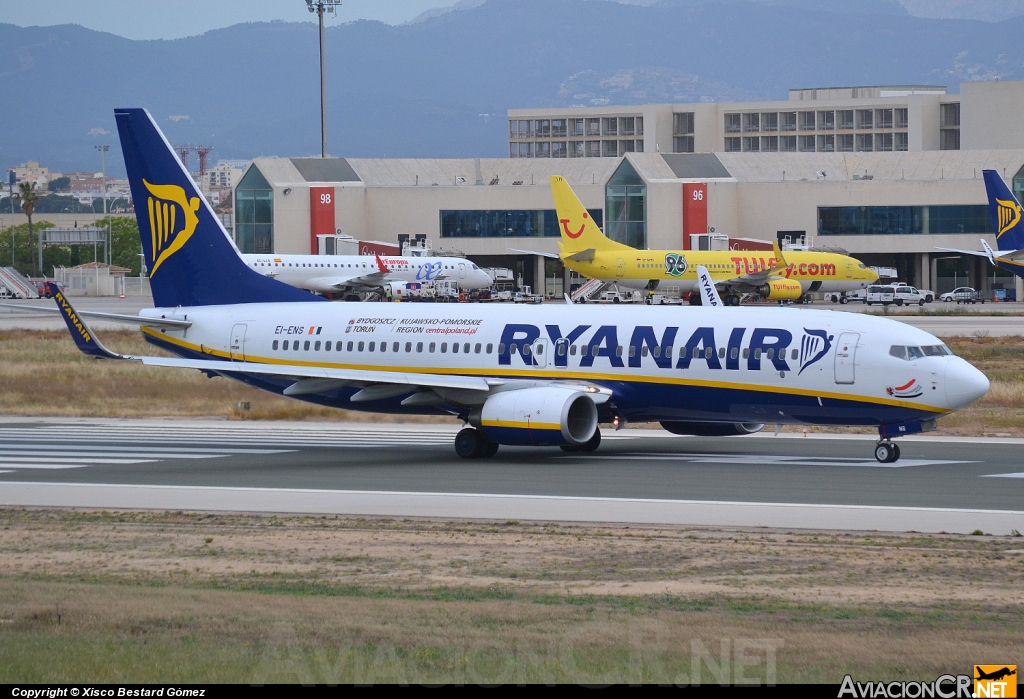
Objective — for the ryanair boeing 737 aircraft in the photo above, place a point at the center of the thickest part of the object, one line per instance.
(542, 375)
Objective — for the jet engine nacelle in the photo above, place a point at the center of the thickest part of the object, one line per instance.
(713, 429)
(781, 290)
(539, 416)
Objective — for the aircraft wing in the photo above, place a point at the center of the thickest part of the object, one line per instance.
(761, 277)
(112, 317)
(977, 253)
(345, 376)
(339, 283)
(553, 256)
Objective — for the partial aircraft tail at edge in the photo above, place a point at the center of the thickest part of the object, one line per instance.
(1005, 211)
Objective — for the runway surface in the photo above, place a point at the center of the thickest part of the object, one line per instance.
(644, 476)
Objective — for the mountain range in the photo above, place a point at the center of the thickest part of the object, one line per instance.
(440, 86)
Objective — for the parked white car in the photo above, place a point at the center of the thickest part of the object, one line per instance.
(963, 294)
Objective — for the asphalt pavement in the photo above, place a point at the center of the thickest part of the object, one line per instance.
(832, 482)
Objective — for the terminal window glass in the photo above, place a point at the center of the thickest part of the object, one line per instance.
(504, 223)
(899, 141)
(626, 204)
(1018, 184)
(787, 121)
(887, 220)
(254, 214)
(684, 144)
(732, 123)
(682, 123)
(807, 121)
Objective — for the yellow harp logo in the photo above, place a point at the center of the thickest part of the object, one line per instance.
(164, 203)
(1008, 214)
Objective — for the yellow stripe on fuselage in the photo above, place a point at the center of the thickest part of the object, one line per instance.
(523, 425)
(548, 373)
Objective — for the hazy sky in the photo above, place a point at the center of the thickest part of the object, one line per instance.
(147, 19)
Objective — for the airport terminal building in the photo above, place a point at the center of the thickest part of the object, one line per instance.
(889, 206)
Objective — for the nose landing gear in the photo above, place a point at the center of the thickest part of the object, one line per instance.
(887, 452)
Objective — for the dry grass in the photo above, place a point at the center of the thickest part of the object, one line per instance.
(142, 597)
(43, 373)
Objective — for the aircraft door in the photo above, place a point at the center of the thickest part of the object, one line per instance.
(462, 270)
(620, 267)
(237, 346)
(849, 270)
(541, 351)
(846, 355)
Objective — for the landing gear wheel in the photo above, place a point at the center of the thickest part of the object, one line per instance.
(593, 443)
(470, 443)
(490, 450)
(886, 452)
(843, 300)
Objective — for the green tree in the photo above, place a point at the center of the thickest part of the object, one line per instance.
(61, 184)
(23, 257)
(126, 245)
(26, 199)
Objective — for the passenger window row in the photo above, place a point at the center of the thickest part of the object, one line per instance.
(354, 346)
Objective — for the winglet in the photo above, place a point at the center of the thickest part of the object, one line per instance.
(80, 332)
(708, 292)
(988, 252)
(381, 266)
(780, 262)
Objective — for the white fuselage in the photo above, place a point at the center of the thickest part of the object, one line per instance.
(344, 272)
(717, 364)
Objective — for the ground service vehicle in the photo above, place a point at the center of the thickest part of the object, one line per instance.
(543, 376)
(883, 294)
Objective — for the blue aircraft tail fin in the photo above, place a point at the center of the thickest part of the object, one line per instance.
(190, 258)
(1005, 211)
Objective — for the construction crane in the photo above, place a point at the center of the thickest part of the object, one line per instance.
(203, 151)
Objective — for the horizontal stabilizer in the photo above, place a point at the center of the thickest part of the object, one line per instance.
(112, 317)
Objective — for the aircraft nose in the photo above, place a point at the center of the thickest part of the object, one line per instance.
(964, 383)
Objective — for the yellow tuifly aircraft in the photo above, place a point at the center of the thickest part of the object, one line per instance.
(586, 250)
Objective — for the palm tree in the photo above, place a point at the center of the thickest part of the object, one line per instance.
(27, 198)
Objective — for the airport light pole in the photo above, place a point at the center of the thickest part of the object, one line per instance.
(320, 7)
(103, 159)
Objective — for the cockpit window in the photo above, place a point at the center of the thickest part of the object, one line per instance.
(911, 353)
(862, 265)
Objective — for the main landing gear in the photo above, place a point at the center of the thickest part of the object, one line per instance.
(887, 452)
(471, 443)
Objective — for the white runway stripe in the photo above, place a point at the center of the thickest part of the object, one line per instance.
(74, 458)
(50, 453)
(45, 467)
